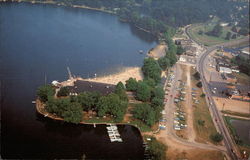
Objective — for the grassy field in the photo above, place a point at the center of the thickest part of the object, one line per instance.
(201, 112)
(209, 40)
(196, 154)
(242, 78)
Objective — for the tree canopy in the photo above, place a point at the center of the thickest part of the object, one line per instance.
(131, 84)
(151, 69)
(44, 92)
(143, 92)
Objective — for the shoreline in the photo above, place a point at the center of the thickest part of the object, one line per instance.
(59, 4)
(41, 110)
(120, 76)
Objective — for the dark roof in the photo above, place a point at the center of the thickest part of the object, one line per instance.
(230, 76)
(87, 86)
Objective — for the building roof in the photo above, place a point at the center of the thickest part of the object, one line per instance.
(231, 76)
(87, 86)
(225, 70)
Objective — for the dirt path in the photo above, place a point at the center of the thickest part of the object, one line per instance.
(176, 145)
(189, 108)
(158, 51)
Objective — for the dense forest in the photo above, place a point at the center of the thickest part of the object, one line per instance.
(158, 16)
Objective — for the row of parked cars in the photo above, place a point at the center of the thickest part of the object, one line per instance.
(194, 96)
(179, 114)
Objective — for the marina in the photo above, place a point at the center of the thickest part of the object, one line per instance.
(113, 133)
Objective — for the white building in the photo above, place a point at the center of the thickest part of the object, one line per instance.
(225, 70)
(182, 59)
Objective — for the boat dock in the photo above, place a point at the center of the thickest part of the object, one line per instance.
(113, 133)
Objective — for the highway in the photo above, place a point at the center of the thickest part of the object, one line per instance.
(217, 116)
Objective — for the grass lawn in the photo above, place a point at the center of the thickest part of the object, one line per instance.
(201, 112)
(209, 40)
(242, 78)
(141, 125)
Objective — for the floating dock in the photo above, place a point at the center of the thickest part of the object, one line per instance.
(113, 133)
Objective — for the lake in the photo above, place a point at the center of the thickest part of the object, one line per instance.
(38, 41)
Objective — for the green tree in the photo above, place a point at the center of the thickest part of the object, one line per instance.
(228, 36)
(217, 137)
(157, 102)
(158, 92)
(217, 31)
(143, 92)
(157, 149)
(151, 69)
(131, 84)
(180, 50)
(150, 82)
(73, 113)
(64, 91)
(103, 106)
(164, 63)
(44, 92)
(197, 76)
(201, 122)
(199, 84)
(121, 92)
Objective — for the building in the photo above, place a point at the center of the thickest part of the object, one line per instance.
(182, 59)
(238, 95)
(222, 69)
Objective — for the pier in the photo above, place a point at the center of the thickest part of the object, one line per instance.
(113, 133)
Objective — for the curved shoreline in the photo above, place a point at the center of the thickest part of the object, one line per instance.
(41, 110)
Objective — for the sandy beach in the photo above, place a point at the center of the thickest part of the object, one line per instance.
(158, 51)
(123, 75)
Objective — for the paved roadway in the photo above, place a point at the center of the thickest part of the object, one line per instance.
(229, 143)
(170, 108)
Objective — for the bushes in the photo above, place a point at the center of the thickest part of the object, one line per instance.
(44, 92)
(157, 149)
(145, 113)
(201, 122)
(217, 137)
(151, 69)
(199, 84)
(69, 111)
(164, 63)
(64, 91)
(143, 91)
(197, 76)
(131, 84)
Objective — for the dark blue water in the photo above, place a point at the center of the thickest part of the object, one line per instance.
(39, 40)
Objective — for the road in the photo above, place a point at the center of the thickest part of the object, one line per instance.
(229, 143)
(169, 132)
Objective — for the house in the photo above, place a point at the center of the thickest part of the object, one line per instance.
(235, 69)
(182, 59)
